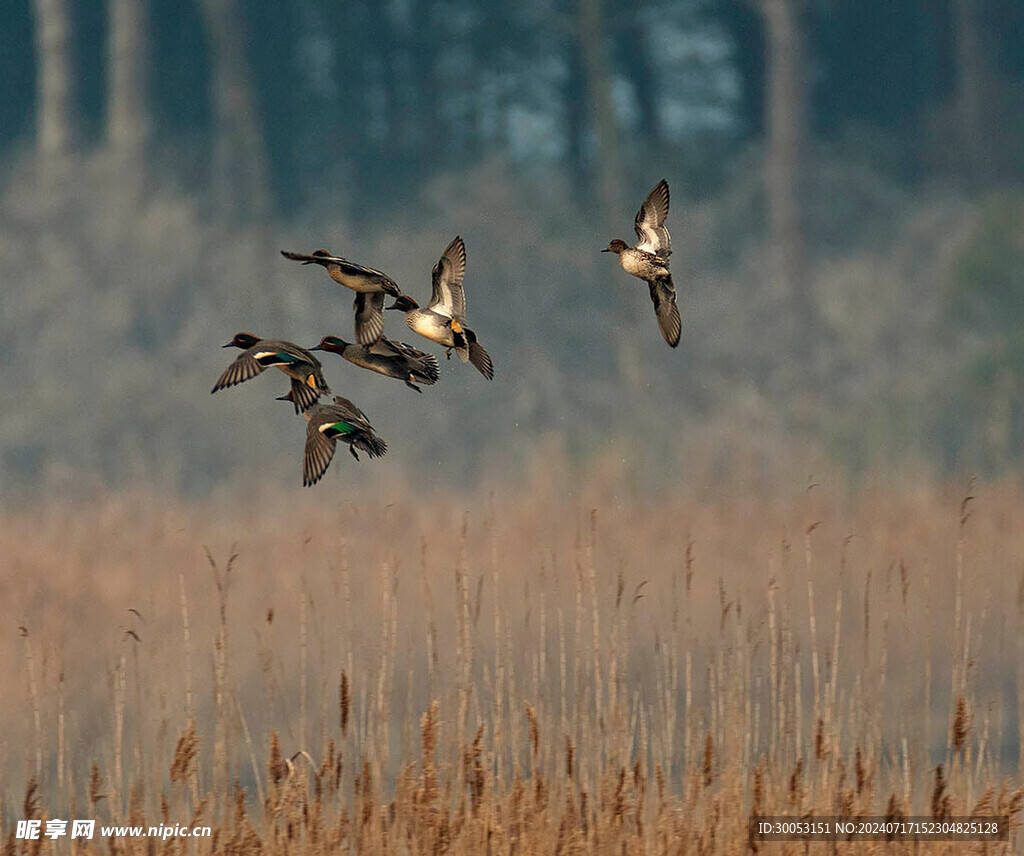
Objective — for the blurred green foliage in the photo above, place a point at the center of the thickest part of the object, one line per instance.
(985, 417)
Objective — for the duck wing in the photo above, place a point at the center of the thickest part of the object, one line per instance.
(663, 295)
(478, 355)
(304, 396)
(319, 450)
(651, 233)
(244, 368)
(448, 297)
(369, 309)
(347, 267)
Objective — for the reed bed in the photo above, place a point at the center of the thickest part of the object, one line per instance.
(571, 664)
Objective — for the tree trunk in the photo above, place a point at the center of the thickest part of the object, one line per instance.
(606, 180)
(787, 122)
(128, 123)
(607, 163)
(56, 117)
(428, 125)
(241, 189)
(971, 82)
(239, 162)
(637, 59)
(574, 98)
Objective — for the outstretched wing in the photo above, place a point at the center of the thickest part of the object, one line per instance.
(447, 297)
(478, 356)
(324, 258)
(663, 295)
(369, 308)
(652, 236)
(320, 256)
(303, 396)
(318, 454)
(242, 369)
(346, 267)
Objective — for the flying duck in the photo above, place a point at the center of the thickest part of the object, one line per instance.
(258, 354)
(369, 284)
(648, 260)
(329, 423)
(386, 357)
(444, 320)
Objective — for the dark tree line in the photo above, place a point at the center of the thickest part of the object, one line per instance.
(382, 96)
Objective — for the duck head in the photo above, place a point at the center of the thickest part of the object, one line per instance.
(242, 340)
(331, 343)
(616, 246)
(404, 302)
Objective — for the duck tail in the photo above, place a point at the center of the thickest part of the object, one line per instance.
(426, 369)
(370, 443)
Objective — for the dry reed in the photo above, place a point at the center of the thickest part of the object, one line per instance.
(612, 751)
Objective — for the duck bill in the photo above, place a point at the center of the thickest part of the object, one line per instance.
(228, 345)
(606, 250)
(316, 348)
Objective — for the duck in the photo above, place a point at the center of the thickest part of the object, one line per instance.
(258, 354)
(386, 357)
(444, 319)
(328, 423)
(369, 284)
(648, 260)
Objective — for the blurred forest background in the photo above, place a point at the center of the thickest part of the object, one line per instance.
(847, 209)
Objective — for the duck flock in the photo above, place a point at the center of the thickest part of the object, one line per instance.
(443, 322)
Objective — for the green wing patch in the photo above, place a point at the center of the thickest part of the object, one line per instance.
(336, 428)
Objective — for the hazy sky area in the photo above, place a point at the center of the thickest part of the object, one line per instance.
(846, 210)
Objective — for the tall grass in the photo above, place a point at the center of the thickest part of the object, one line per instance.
(563, 666)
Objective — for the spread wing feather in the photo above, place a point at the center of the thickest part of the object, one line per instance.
(242, 369)
(663, 295)
(325, 258)
(303, 396)
(447, 296)
(369, 308)
(650, 222)
(479, 357)
(318, 454)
